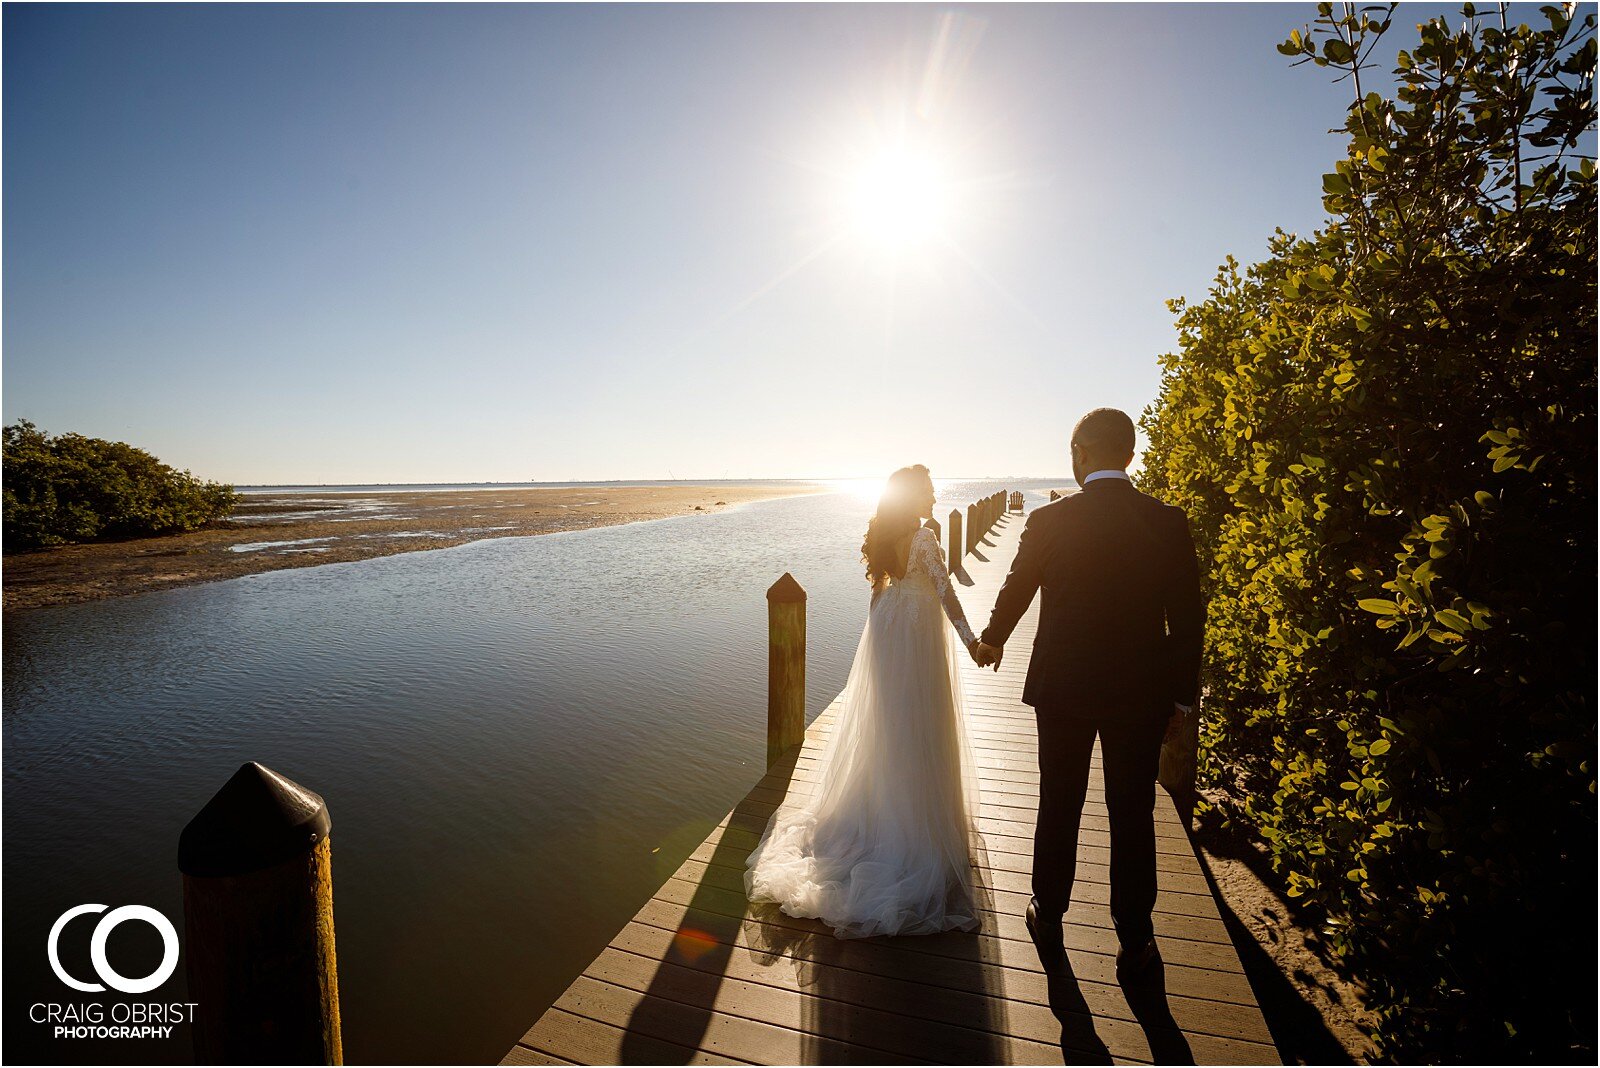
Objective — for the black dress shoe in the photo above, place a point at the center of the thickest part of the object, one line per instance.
(1133, 961)
(1047, 938)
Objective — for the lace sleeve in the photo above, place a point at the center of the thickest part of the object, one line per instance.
(927, 555)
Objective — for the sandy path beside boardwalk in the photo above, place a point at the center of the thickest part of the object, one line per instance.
(273, 531)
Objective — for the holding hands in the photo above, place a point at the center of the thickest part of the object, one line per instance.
(987, 655)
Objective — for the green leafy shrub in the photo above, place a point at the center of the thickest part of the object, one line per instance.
(1385, 436)
(73, 488)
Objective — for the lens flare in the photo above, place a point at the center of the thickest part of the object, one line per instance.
(691, 944)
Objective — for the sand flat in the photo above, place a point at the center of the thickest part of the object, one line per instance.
(271, 531)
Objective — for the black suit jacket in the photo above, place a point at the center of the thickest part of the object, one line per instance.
(1121, 622)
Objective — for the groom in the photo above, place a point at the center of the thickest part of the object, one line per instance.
(1118, 656)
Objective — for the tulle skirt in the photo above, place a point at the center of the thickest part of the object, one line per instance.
(884, 841)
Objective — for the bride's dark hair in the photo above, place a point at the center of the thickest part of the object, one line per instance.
(897, 516)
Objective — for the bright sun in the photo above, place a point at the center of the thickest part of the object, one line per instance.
(900, 199)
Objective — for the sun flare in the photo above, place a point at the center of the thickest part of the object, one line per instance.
(867, 489)
(900, 199)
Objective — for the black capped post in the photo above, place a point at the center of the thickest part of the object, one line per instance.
(786, 667)
(258, 924)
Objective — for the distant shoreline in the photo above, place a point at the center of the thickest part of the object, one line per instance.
(465, 487)
(274, 530)
(690, 483)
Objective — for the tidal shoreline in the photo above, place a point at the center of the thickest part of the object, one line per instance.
(273, 531)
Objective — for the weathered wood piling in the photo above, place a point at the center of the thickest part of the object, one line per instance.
(786, 667)
(258, 924)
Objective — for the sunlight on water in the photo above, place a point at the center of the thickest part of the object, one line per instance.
(870, 489)
(865, 489)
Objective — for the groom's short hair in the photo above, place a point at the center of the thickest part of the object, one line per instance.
(1105, 432)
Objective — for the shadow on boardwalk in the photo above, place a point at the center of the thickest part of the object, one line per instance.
(835, 997)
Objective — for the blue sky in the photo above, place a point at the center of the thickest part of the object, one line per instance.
(306, 243)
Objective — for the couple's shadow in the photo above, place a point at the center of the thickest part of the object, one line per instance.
(918, 997)
(856, 993)
(1146, 997)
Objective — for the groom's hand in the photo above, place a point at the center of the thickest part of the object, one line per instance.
(988, 655)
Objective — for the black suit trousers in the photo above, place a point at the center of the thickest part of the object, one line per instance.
(1130, 748)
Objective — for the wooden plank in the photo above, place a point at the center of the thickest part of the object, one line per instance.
(676, 1016)
(1083, 935)
(1175, 902)
(521, 1054)
(1010, 811)
(885, 1006)
(585, 1041)
(1009, 835)
(883, 1037)
(1094, 818)
(730, 877)
(1094, 865)
(1091, 956)
(765, 938)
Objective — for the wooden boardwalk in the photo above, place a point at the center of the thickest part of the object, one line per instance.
(701, 976)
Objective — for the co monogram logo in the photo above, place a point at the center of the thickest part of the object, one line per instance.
(97, 948)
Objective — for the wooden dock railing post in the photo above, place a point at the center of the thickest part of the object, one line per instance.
(786, 667)
(258, 924)
(955, 539)
(972, 527)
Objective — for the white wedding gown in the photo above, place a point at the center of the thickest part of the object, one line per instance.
(885, 840)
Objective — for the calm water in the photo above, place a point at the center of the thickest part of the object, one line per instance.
(518, 740)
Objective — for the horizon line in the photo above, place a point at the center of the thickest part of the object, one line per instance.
(638, 481)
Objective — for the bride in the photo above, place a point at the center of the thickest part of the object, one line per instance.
(884, 841)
